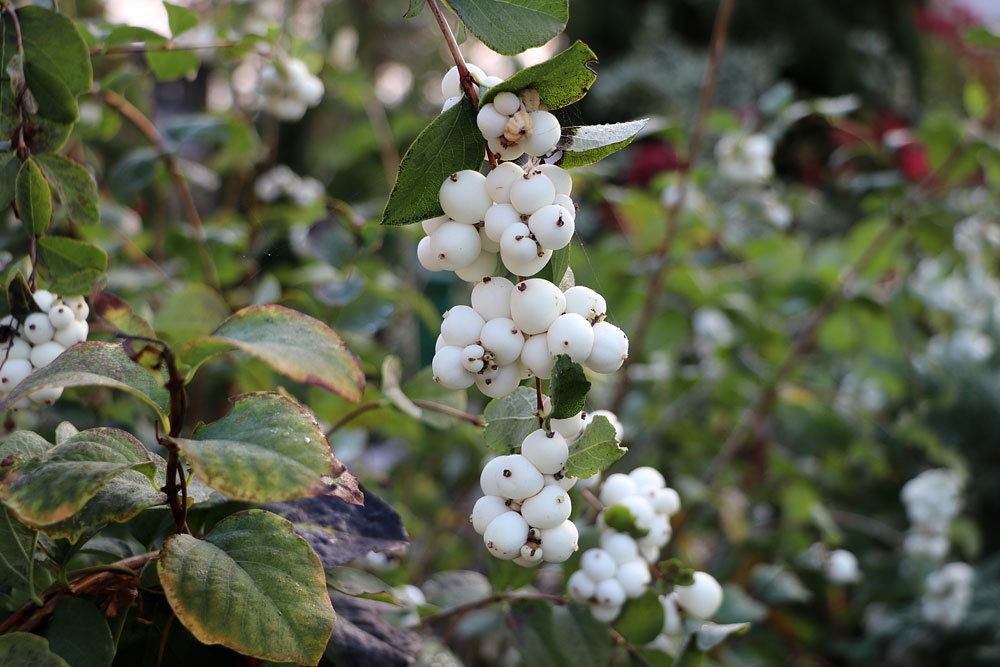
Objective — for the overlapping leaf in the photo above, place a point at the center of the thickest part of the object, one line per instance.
(560, 81)
(512, 26)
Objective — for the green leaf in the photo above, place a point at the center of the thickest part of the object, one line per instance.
(360, 584)
(172, 65)
(555, 270)
(569, 388)
(268, 448)
(54, 99)
(452, 142)
(80, 634)
(71, 266)
(73, 186)
(982, 37)
(622, 520)
(51, 43)
(976, 99)
(252, 585)
(188, 312)
(641, 619)
(595, 450)
(9, 166)
(560, 81)
(711, 635)
(510, 419)
(181, 19)
(17, 552)
(512, 26)
(97, 364)
(589, 143)
(33, 197)
(416, 6)
(117, 315)
(19, 299)
(23, 649)
(49, 487)
(582, 640)
(294, 344)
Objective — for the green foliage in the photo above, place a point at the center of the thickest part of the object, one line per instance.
(251, 584)
(9, 166)
(17, 552)
(53, 45)
(512, 26)
(358, 583)
(596, 449)
(181, 19)
(54, 99)
(641, 618)
(79, 633)
(621, 519)
(560, 81)
(569, 388)
(452, 142)
(71, 266)
(591, 143)
(582, 640)
(20, 303)
(510, 419)
(21, 649)
(33, 197)
(73, 186)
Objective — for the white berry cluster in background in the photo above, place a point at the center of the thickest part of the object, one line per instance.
(60, 322)
(522, 214)
(839, 566)
(947, 594)
(513, 332)
(451, 84)
(281, 181)
(745, 159)
(287, 89)
(515, 124)
(620, 568)
(700, 601)
(932, 499)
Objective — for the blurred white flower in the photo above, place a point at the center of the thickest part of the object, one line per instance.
(947, 594)
(745, 159)
(287, 89)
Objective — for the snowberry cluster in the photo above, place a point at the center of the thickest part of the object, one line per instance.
(947, 594)
(512, 332)
(287, 88)
(933, 499)
(620, 568)
(60, 322)
(745, 159)
(517, 124)
(524, 214)
(281, 181)
(700, 600)
(451, 84)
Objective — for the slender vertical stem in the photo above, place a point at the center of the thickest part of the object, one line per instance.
(540, 404)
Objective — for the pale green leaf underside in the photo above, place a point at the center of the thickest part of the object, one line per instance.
(590, 143)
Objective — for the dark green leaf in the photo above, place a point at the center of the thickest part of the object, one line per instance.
(181, 19)
(595, 450)
(416, 6)
(622, 520)
(590, 143)
(190, 311)
(22, 649)
(641, 619)
(9, 166)
(172, 65)
(52, 43)
(17, 552)
(54, 99)
(358, 583)
(268, 448)
(118, 316)
(294, 344)
(33, 197)
(569, 388)
(80, 634)
(452, 142)
(73, 186)
(583, 639)
(555, 270)
(19, 299)
(560, 81)
(71, 266)
(512, 26)
(252, 585)
(510, 419)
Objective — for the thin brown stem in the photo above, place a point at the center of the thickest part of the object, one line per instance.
(354, 414)
(482, 603)
(139, 120)
(539, 402)
(10, 10)
(592, 500)
(654, 290)
(450, 411)
(468, 83)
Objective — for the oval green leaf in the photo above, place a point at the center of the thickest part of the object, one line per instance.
(17, 553)
(79, 633)
(268, 448)
(294, 344)
(33, 197)
(595, 450)
(252, 585)
(569, 388)
(512, 26)
(641, 619)
(590, 143)
(23, 649)
(51, 43)
(560, 81)
(54, 99)
(73, 186)
(71, 266)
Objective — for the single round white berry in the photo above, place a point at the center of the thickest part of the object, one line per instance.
(605, 613)
(472, 357)
(702, 598)
(649, 552)
(531, 192)
(456, 244)
(579, 586)
(490, 474)
(518, 478)
(666, 501)
(571, 334)
(598, 564)
(559, 542)
(536, 357)
(433, 223)
(61, 316)
(560, 178)
(527, 267)
(610, 348)
(546, 451)
(79, 306)
(545, 132)
(566, 203)
(482, 266)
(46, 396)
(552, 226)
(500, 381)
(44, 299)
(570, 427)
(463, 196)
(562, 481)
(485, 510)
(429, 259)
(611, 417)
(69, 336)
(609, 593)
(621, 547)
(634, 577)
(12, 372)
(491, 297)
(490, 121)
(44, 354)
(16, 348)
(450, 102)
(640, 509)
(511, 152)
(439, 343)
(506, 103)
(505, 535)
(516, 244)
(38, 329)
(451, 83)
(487, 244)
(535, 304)
(586, 302)
(499, 180)
(461, 326)
(502, 337)
(616, 488)
(548, 508)
(531, 554)
(498, 218)
(448, 369)
(646, 477)
(659, 533)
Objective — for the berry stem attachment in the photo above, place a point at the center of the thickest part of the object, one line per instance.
(468, 84)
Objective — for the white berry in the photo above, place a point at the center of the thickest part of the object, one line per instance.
(38, 329)
(481, 267)
(666, 501)
(562, 481)
(634, 577)
(571, 334)
(536, 303)
(44, 299)
(506, 103)
(69, 336)
(553, 226)
(702, 598)
(570, 427)
(531, 192)
(545, 132)
(44, 354)
(79, 306)
(491, 297)
(559, 542)
(472, 358)
(499, 180)
(609, 593)
(15, 348)
(505, 535)
(620, 546)
(485, 510)
(586, 302)
(499, 382)
(598, 564)
(429, 259)
(498, 218)
(490, 474)
(12, 372)
(566, 202)
(46, 396)
(605, 613)
(61, 316)
(518, 478)
(548, 508)
(546, 451)
(457, 244)
(579, 586)
(502, 337)
(461, 326)
(490, 121)
(536, 357)
(616, 488)
(531, 554)
(610, 348)
(463, 196)
(561, 179)
(528, 266)
(448, 369)
(451, 83)
(647, 476)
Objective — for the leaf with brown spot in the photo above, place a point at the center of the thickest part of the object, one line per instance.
(118, 317)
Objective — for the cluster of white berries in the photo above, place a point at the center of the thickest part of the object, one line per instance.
(61, 322)
(620, 568)
(699, 600)
(524, 214)
(287, 89)
(512, 332)
(517, 124)
(745, 159)
(281, 181)
(451, 84)
(933, 499)
(947, 594)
